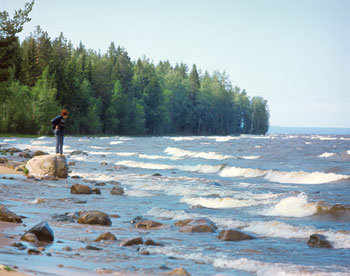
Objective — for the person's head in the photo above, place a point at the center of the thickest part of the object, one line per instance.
(64, 113)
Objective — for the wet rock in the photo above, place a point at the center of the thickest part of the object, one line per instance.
(91, 247)
(156, 174)
(199, 225)
(104, 163)
(3, 160)
(164, 267)
(114, 216)
(96, 191)
(152, 243)
(25, 155)
(12, 150)
(179, 271)
(30, 237)
(234, 235)
(100, 184)
(117, 191)
(48, 165)
(67, 248)
(148, 224)
(42, 231)
(145, 252)
(319, 241)
(19, 245)
(34, 252)
(49, 178)
(133, 241)
(198, 206)
(136, 219)
(39, 153)
(94, 217)
(67, 217)
(78, 152)
(184, 222)
(20, 168)
(108, 236)
(7, 215)
(75, 176)
(72, 163)
(120, 167)
(80, 189)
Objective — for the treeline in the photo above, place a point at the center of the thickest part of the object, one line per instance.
(111, 94)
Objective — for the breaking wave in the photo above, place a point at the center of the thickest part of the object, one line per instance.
(327, 154)
(205, 155)
(298, 177)
(294, 206)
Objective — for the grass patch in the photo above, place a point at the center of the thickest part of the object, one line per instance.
(25, 171)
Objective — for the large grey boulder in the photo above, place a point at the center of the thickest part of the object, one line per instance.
(51, 165)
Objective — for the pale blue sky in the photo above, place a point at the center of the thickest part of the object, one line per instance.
(295, 53)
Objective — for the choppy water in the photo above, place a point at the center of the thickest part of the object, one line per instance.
(278, 188)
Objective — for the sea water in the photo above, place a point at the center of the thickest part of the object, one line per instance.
(279, 188)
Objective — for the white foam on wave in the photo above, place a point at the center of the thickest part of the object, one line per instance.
(223, 138)
(126, 153)
(41, 142)
(143, 165)
(218, 203)
(258, 268)
(205, 155)
(84, 140)
(116, 142)
(294, 206)
(96, 147)
(201, 168)
(41, 137)
(327, 154)
(99, 153)
(182, 138)
(323, 138)
(278, 229)
(348, 152)
(154, 157)
(252, 157)
(345, 138)
(297, 177)
(10, 140)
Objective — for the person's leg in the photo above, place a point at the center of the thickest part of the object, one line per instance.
(60, 144)
(62, 140)
(57, 143)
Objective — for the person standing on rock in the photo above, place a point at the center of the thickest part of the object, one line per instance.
(58, 126)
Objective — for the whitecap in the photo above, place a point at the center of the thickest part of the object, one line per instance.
(294, 206)
(153, 157)
(297, 177)
(41, 137)
(126, 153)
(218, 203)
(143, 165)
(10, 140)
(116, 142)
(326, 154)
(205, 155)
(252, 157)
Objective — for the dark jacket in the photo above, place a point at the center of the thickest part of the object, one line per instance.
(61, 123)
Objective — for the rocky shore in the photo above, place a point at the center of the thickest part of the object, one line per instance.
(63, 218)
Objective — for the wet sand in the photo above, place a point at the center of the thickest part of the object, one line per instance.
(6, 170)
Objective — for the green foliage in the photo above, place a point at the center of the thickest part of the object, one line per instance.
(25, 171)
(111, 94)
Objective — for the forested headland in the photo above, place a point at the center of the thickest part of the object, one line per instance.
(108, 93)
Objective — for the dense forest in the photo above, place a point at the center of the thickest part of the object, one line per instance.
(111, 94)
